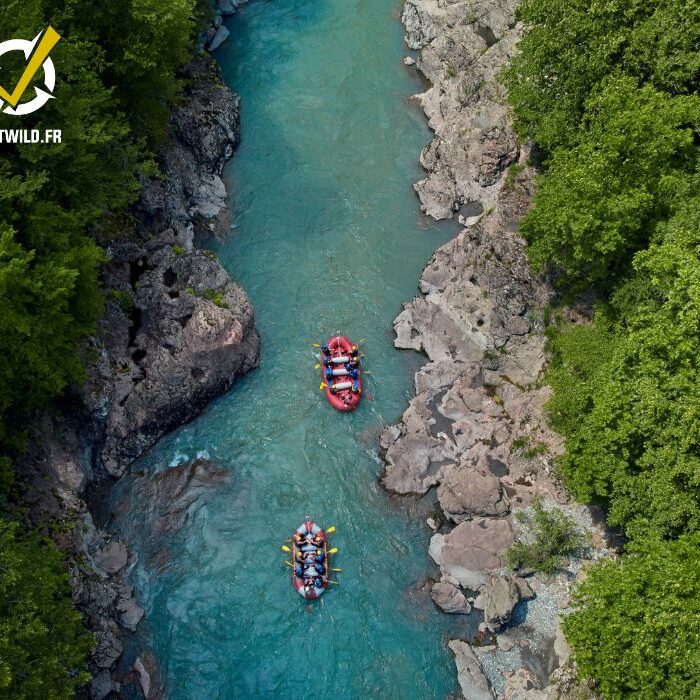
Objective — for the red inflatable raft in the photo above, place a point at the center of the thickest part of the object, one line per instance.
(341, 373)
(310, 560)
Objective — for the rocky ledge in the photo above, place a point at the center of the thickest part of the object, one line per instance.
(177, 331)
(475, 430)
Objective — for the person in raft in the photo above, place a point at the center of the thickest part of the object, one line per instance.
(326, 355)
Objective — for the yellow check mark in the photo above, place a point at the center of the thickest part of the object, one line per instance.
(41, 53)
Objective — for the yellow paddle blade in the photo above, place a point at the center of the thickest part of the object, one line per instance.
(323, 386)
(333, 551)
(331, 529)
(288, 563)
(315, 345)
(317, 366)
(285, 548)
(332, 569)
(361, 340)
(337, 583)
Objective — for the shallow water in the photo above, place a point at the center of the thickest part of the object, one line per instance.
(328, 236)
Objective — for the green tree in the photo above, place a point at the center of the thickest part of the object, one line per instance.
(625, 390)
(43, 644)
(599, 199)
(572, 45)
(636, 623)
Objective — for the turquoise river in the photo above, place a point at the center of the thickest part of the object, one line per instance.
(327, 236)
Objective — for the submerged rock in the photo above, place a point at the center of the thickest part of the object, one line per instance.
(164, 502)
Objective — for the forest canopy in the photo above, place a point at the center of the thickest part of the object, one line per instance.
(117, 64)
(608, 92)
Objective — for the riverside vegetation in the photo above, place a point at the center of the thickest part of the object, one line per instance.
(118, 73)
(608, 92)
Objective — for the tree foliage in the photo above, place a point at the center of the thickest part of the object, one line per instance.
(116, 73)
(611, 100)
(551, 536)
(608, 90)
(43, 644)
(636, 623)
(116, 67)
(626, 390)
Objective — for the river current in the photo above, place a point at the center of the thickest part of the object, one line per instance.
(327, 237)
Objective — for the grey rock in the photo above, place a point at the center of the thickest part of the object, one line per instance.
(219, 37)
(470, 674)
(109, 647)
(131, 613)
(501, 594)
(144, 677)
(102, 685)
(474, 140)
(113, 557)
(521, 685)
(561, 647)
(472, 549)
(226, 7)
(447, 596)
(504, 642)
(466, 492)
(192, 336)
(188, 329)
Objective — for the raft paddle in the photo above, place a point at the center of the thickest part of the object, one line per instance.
(331, 529)
(332, 569)
(333, 551)
(284, 548)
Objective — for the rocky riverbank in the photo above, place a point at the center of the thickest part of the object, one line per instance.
(476, 429)
(176, 332)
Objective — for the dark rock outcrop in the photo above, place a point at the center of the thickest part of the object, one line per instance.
(176, 333)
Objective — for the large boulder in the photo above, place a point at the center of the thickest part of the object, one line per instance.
(470, 674)
(499, 597)
(177, 330)
(191, 333)
(447, 595)
(113, 557)
(466, 492)
(472, 549)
